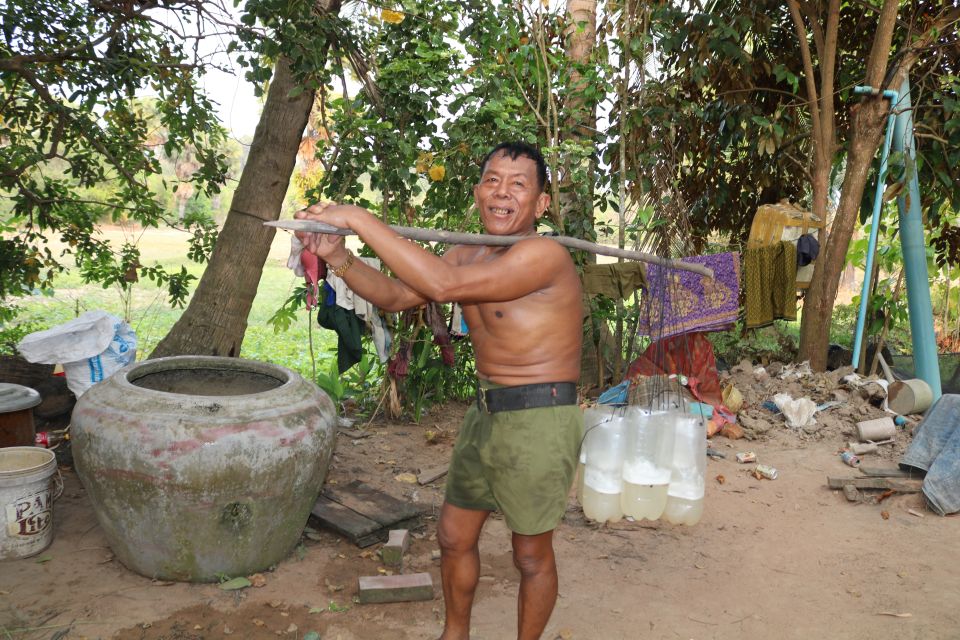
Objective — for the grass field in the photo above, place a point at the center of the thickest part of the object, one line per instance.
(151, 316)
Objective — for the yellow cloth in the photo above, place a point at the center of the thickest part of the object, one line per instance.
(770, 281)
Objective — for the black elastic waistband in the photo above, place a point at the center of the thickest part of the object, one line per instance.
(526, 396)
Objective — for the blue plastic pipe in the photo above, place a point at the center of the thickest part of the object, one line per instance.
(926, 365)
(874, 221)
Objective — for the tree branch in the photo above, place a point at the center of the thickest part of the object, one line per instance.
(449, 237)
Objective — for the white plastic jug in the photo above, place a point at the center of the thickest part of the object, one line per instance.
(647, 463)
(688, 468)
(602, 473)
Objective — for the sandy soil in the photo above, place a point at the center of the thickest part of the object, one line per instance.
(779, 559)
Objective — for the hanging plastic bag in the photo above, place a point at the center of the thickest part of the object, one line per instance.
(91, 348)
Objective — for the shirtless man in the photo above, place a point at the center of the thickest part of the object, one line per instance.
(517, 448)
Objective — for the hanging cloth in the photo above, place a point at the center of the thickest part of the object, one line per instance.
(615, 280)
(365, 309)
(679, 302)
(770, 280)
(348, 327)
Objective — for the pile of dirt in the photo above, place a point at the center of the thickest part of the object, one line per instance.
(843, 399)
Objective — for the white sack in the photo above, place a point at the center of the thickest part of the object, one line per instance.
(90, 348)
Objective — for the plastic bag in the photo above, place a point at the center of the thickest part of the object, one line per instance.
(799, 412)
(91, 348)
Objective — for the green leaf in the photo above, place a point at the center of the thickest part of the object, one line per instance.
(234, 584)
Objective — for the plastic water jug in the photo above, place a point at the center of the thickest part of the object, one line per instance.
(647, 463)
(602, 473)
(688, 468)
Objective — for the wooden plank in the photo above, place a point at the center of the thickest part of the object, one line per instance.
(363, 514)
(888, 472)
(357, 528)
(375, 505)
(901, 485)
(429, 475)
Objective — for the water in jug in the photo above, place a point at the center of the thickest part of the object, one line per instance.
(686, 489)
(602, 473)
(647, 463)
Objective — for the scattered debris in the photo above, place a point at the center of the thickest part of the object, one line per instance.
(902, 485)
(765, 471)
(878, 429)
(885, 515)
(915, 513)
(746, 456)
(849, 459)
(799, 412)
(429, 475)
(851, 493)
(895, 615)
(886, 472)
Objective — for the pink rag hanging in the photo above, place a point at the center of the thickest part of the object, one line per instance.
(314, 272)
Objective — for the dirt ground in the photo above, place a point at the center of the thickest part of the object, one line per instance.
(771, 559)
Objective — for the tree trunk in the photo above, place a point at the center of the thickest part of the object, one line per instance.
(867, 129)
(216, 319)
(576, 189)
(867, 126)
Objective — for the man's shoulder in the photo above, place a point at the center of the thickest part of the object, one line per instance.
(544, 245)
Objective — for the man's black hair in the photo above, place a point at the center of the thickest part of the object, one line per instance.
(520, 150)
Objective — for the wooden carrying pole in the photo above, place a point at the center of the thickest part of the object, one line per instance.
(451, 237)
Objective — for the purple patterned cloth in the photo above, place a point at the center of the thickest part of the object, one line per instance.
(679, 301)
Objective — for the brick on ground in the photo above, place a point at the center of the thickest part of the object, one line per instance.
(396, 545)
(402, 588)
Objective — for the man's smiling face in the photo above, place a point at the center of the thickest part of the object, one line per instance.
(509, 197)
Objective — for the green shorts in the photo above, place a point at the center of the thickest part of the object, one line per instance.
(520, 462)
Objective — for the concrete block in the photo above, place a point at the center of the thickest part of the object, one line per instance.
(396, 545)
(877, 429)
(403, 588)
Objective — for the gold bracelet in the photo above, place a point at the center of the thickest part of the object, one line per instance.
(342, 269)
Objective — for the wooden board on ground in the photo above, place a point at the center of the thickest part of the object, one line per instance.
(429, 475)
(363, 514)
(888, 472)
(902, 485)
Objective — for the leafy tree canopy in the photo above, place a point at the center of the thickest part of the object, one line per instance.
(727, 115)
(78, 146)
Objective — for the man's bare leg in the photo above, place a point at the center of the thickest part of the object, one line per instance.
(533, 556)
(458, 534)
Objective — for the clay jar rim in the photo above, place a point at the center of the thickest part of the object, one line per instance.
(128, 376)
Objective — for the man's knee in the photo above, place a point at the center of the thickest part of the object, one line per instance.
(533, 554)
(459, 529)
(452, 538)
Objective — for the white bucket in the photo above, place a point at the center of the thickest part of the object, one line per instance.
(26, 501)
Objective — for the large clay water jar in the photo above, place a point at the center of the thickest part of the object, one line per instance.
(202, 467)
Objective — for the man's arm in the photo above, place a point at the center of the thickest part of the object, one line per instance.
(528, 266)
(369, 283)
(383, 291)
